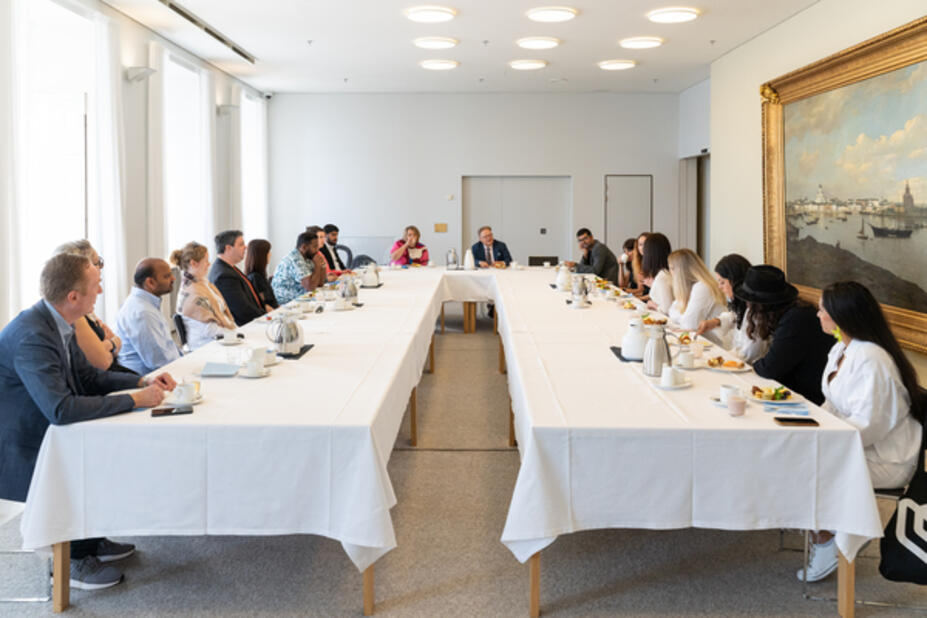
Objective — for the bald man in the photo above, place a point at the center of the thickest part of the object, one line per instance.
(147, 344)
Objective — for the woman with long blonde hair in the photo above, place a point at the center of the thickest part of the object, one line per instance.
(199, 302)
(697, 296)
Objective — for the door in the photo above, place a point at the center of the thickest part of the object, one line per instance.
(628, 208)
(530, 214)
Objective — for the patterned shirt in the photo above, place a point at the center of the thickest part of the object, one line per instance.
(287, 281)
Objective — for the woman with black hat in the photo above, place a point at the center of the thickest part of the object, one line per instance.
(798, 348)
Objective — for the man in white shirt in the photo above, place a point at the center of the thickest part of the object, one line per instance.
(146, 335)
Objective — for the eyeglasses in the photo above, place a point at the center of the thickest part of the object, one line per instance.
(99, 262)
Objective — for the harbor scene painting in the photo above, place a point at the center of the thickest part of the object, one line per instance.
(856, 187)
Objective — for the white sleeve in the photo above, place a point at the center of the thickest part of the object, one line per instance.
(662, 292)
(699, 308)
(876, 403)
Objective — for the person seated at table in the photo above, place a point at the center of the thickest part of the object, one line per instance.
(329, 248)
(199, 303)
(408, 250)
(297, 273)
(96, 340)
(147, 343)
(489, 252)
(256, 260)
(45, 378)
(637, 256)
(597, 258)
(696, 295)
(797, 348)
(318, 259)
(655, 273)
(731, 326)
(626, 277)
(870, 383)
(240, 296)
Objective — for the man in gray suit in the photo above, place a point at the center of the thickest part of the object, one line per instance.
(597, 258)
(46, 379)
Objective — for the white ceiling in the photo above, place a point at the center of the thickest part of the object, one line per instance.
(365, 45)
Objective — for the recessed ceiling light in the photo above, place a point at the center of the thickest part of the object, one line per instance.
(435, 42)
(673, 15)
(439, 65)
(550, 14)
(641, 42)
(430, 14)
(616, 65)
(538, 42)
(528, 65)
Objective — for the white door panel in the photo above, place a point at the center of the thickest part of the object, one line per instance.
(628, 208)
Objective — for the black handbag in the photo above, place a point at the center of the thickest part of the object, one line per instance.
(904, 545)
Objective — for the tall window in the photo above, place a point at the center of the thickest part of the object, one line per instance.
(253, 166)
(57, 90)
(188, 211)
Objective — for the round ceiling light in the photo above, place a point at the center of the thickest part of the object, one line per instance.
(673, 15)
(430, 14)
(538, 42)
(439, 65)
(616, 65)
(435, 42)
(641, 42)
(528, 65)
(551, 14)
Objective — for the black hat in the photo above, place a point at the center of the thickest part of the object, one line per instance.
(766, 285)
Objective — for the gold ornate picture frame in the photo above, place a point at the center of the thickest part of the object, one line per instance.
(894, 50)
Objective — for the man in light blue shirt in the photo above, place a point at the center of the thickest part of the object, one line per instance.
(146, 335)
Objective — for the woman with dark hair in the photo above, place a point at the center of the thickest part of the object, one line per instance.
(637, 287)
(731, 326)
(797, 348)
(626, 272)
(256, 260)
(869, 383)
(655, 272)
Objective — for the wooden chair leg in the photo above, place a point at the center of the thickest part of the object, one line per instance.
(534, 585)
(846, 587)
(501, 357)
(511, 425)
(61, 572)
(495, 322)
(369, 595)
(431, 356)
(442, 318)
(413, 419)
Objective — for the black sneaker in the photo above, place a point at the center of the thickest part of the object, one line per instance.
(90, 574)
(110, 551)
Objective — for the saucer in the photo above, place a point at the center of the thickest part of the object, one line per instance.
(171, 401)
(232, 342)
(674, 387)
(272, 360)
(263, 374)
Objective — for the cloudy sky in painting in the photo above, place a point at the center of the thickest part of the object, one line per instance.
(863, 140)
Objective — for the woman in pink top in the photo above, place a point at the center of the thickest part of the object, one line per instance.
(409, 250)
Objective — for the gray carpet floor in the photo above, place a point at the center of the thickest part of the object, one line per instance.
(449, 562)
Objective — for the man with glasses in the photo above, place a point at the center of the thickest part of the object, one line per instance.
(597, 258)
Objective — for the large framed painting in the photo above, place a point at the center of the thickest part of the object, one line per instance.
(845, 175)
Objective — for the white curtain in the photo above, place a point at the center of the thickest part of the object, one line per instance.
(156, 59)
(10, 31)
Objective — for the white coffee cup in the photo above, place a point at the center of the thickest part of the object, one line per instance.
(736, 405)
(685, 358)
(728, 391)
(229, 335)
(546, 264)
(667, 376)
(624, 258)
(185, 392)
(253, 368)
(513, 264)
(258, 355)
(697, 350)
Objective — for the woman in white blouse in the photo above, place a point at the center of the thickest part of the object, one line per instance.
(730, 328)
(869, 383)
(696, 295)
(655, 272)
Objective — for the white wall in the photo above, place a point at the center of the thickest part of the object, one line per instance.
(695, 119)
(373, 163)
(736, 156)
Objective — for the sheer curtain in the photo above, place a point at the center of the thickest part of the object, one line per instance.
(10, 33)
(252, 171)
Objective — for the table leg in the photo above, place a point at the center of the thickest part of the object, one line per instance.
(413, 419)
(511, 425)
(369, 595)
(469, 317)
(501, 357)
(431, 356)
(534, 585)
(442, 318)
(495, 322)
(846, 587)
(61, 571)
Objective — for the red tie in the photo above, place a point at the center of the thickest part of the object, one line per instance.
(257, 298)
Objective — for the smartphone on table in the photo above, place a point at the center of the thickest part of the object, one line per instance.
(156, 412)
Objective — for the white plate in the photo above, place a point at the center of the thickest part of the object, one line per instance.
(263, 374)
(794, 400)
(674, 387)
(171, 401)
(235, 341)
(699, 364)
(744, 369)
(347, 308)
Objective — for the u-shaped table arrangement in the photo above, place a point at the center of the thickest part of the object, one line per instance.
(601, 445)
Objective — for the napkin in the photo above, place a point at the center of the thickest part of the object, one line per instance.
(218, 370)
(786, 410)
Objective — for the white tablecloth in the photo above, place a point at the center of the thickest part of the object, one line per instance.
(305, 450)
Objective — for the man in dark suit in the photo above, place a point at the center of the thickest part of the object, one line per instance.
(329, 246)
(489, 251)
(597, 258)
(46, 379)
(240, 296)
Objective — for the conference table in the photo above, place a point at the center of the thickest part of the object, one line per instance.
(305, 450)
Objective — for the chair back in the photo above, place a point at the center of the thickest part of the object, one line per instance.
(347, 256)
(538, 260)
(181, 328)
(361, 261)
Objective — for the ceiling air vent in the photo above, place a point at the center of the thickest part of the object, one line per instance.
(202, 25)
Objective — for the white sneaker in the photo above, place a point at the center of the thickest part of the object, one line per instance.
(822, 561)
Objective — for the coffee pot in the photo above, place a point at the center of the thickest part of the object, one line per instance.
(370, 276)
(452, 262)
(580, 292)
(347, 290)
(656, 352)
(469, 263)
(564, 278)
(285, 333)
(634, 341)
